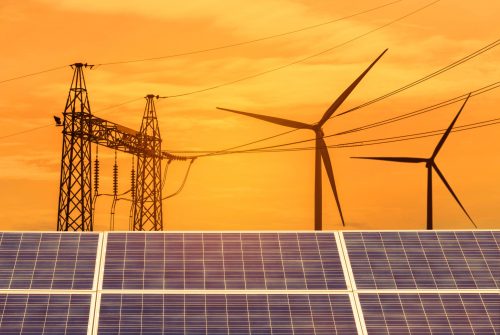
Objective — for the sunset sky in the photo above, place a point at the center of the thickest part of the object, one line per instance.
(256, 191)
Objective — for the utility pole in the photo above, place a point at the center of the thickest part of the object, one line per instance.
(75, 192)
(148, 213)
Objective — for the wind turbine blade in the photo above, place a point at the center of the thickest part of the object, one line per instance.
(451, 191)
(396, 159)
(329, 171)
(336, 104)
(447, 132)
(272, 119)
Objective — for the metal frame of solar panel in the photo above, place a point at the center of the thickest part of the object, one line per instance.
(48, 282)
(235, 282)
(425, 282)
(388, 282)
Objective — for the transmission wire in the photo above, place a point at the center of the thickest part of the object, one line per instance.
(400, 138)
(33, 74)
(429, 76)
(446, 68)
(442, 104)
(305, 58)
(255, 75)
(251, 41)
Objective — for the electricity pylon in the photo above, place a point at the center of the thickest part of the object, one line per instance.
(75, 193)
(148, 213)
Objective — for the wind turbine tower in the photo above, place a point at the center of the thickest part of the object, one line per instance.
(322, 154)
(431, 165)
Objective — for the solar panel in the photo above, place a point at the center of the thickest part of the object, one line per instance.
(54, 314)
(431, 313)
(408, 282)
(425, 259)
(223, 261)
(226, 314)
(47, 260)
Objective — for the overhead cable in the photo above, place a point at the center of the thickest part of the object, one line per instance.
(427, 77)
(377, 141)
(193, 52)
(305, 58)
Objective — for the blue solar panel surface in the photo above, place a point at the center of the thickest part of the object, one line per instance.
(222, 261)
(54, 314)
(47, 260)
(425, 259)
(250, 268)
(225, 314)
(431, 313)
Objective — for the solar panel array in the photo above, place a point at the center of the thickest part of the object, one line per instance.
(408, 282)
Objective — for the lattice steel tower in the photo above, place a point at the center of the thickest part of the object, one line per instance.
(75, 193)
(148, 203)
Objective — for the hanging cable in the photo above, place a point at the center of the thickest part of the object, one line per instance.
(439, 105)
(429, 76)
(164, 179)
(301, 60)
(371, 142)
(219, 47)
(183, 182)
(33, 74)
(251, 41)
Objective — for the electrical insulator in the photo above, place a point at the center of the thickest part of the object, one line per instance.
(96, 176)
(132, 183)
(115, 179)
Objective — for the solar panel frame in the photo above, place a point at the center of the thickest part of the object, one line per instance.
(369, 261)
(43, 311)
(431, 312)
(29, 260)
(215, 275)
(250, 313)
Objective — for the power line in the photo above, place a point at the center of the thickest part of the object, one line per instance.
(384, 140)
(442, 104)
(306, 58)
(219, 47)
(244, 78)
(33, 74)
(446, 68)
(52, 124)
(435, 73)
(429, 76)
(188, 53)
(25, 131)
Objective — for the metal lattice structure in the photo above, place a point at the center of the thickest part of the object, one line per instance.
(148, 213)
(80, 130)
(75, 193)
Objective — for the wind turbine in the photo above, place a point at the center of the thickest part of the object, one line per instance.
(321, 148)
(430, 165)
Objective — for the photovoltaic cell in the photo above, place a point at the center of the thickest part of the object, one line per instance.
(431, 313)
(55, 314)
(222, 261)
(47, 260)
(425, 260)
(225, 314)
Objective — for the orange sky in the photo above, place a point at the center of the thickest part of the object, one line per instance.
(265, 190)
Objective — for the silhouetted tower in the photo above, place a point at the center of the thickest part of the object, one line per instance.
(75, 191)
(147, 207)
